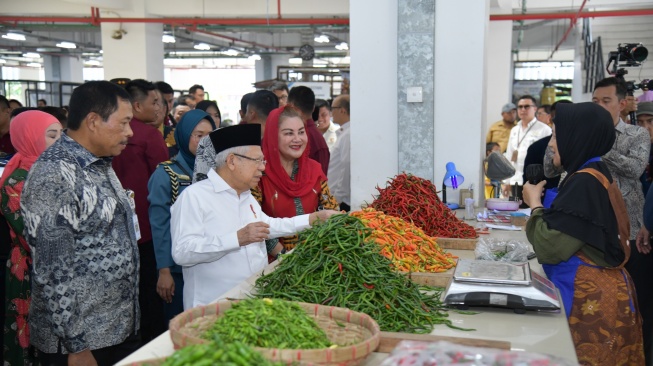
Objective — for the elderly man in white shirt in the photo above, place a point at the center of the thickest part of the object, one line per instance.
(340, 164)
(527, 131)
(218, 229)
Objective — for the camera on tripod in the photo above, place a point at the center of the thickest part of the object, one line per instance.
(628, 55)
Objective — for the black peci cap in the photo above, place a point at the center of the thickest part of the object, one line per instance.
(238, 135)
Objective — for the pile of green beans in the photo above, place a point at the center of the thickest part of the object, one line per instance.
(212, 353)
(336, 264)
(268, 323)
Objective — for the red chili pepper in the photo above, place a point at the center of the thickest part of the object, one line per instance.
(369, 287)
(340, 267)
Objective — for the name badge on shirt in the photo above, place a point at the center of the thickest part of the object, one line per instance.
(132, 204)
(514, 156)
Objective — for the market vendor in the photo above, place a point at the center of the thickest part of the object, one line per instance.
(581, 240)
(218, 229)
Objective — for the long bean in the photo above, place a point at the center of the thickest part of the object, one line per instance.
(347, 270)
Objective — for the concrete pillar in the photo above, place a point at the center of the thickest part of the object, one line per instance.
(386, 130)
(72, 69)
(138, 54)
(52, 68)
(460, 86)
(373, 96)
(499, 72)
(266, 67)
(415, 59)
(63, 68)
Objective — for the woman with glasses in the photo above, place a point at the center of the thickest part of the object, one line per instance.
(166, 184)
(292, 183)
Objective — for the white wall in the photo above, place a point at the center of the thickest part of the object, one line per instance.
(498, 70)
(374, 96)
(226, 86)
(460, 97)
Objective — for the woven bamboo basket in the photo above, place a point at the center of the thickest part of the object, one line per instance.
(160, 361)
(357, 335)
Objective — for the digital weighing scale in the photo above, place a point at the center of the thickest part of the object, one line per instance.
(500, 284)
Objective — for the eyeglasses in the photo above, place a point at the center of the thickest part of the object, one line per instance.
(257, 161)
(525, 106)
(541, 114)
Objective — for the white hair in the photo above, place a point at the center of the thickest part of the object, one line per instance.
(221, 158)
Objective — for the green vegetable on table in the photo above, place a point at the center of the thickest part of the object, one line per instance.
(336, 264)
(218, 353)
(268, 323)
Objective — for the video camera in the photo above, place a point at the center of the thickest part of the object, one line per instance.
(629, 55)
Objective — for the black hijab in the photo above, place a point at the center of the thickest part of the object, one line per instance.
(582, 209)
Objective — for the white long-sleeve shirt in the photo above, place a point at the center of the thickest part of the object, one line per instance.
(340, 166)
(520, 139)
(204, 223)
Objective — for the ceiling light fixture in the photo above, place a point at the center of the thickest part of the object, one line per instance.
(255, 57)
(31, 55)
(202, 47)
(231, 52)
(14, 36)
(342, 46)
(34, 64)
(66, 45)
(3, 61)
(168, 38)
(92, 63)
(321, 39)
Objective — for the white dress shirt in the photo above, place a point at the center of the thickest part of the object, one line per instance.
(204, 224)
(330, 135)
(339, 174)
(520, 139)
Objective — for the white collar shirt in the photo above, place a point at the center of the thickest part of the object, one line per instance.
(204, 223)
(520, 139)
(331, 135)
(340, 167)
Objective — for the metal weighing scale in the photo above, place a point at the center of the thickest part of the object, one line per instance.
(500, 284)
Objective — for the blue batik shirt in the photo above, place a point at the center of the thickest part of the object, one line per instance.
(79, 226)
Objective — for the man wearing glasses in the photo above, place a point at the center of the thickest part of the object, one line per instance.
(527, 131)
(218, 229)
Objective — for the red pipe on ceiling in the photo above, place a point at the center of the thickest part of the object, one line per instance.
(302, 21)
(279, 9)
(572, 23)
(571, 15)
(182, 21)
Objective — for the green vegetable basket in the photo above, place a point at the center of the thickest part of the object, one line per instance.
(356, 334)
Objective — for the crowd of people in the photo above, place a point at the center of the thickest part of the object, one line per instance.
(588, 224)
(136, 205)
(131, 205)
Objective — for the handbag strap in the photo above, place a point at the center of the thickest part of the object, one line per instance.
(619, 208)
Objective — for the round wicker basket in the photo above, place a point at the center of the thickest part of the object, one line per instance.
(356, 334)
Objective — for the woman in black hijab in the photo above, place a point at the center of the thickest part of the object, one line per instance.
(581, 240)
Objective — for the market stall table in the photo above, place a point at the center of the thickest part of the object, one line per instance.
(534, 331)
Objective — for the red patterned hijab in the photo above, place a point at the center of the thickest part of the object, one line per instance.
(308, 171)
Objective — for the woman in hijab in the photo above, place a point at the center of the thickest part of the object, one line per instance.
(31, 133)
(292, 183)
(166, 183)
(211, 107)
(581, 240)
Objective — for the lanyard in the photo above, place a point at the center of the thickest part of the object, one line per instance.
(519, 141)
